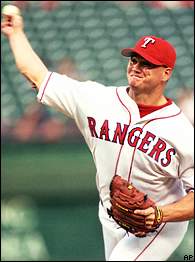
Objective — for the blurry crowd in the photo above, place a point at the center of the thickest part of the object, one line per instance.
(51, 5)
(45, 5)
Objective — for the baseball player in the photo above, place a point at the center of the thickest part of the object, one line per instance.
(132, 131)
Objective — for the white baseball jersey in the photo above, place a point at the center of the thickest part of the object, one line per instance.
(154, 152)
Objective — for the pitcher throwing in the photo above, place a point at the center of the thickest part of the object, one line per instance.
(141, 143)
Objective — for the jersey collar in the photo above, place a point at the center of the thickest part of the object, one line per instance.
(132, 107)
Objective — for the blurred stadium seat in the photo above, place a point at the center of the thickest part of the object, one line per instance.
(92, 34)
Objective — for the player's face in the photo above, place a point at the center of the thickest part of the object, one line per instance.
(144, 76)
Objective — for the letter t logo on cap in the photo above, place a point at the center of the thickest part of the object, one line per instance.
(147, 40)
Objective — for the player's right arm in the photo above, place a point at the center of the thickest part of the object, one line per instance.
(27, 61)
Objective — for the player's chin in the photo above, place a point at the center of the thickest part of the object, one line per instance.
(134, 82)
(134, 85)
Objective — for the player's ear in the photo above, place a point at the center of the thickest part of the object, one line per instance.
(167, 73)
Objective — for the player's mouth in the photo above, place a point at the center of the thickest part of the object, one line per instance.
(135, 76)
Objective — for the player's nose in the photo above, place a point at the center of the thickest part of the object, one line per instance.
(134, 68)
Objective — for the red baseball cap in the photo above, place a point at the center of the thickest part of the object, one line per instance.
(153, 49)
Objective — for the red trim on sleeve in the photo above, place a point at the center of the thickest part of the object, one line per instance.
(45, 86)
(190, 190)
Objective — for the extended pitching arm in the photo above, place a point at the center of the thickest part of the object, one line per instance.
(27, 61)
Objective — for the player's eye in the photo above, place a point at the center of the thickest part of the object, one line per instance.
(133, 60)
(146, 64)
(142, 63)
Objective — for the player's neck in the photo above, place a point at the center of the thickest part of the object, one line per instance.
(147, 99)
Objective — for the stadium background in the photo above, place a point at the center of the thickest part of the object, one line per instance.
(49, 198)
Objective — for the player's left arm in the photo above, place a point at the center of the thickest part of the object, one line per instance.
(181, 210)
